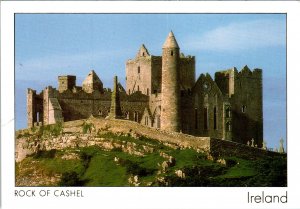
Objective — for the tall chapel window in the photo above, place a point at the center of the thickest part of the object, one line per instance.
(172, 53)
(228, 112)
(139, 69)
(205, 118)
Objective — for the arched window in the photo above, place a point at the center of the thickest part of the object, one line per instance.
(138, 88)
(205, 118)
(244, 108)
(228, 112)
(139, 69)
(171, 52)
(228, 126)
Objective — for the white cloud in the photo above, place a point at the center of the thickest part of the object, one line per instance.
(241, 36)
(43, 68)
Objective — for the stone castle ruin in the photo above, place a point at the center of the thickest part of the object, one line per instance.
(161, 92)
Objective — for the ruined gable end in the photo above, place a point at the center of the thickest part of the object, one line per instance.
(55, 111)
(92, 83)
(143, 52)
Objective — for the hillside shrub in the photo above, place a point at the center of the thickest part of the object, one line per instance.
(53, 130)
(70, 179)
(87, 127)
(45, 154)
(85, 159)
(133, 168)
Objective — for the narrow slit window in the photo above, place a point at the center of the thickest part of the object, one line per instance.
(37, 117)
(196, 118)
(228, 112)
(215, 118)
(244, 108)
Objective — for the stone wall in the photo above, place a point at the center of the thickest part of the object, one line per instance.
(66, 82)
(221, 148)
(156, 74)
(247, 106)
(207, 114)
(138, 75)
(187, 72)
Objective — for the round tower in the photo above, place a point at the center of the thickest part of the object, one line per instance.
(170, 100)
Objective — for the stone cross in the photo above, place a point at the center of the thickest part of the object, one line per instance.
(115, 106)
(264, 145)
(252, 142)
(281, 148)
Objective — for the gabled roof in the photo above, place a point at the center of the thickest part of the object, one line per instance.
(143, 51)
(92, 82)
(92, 77)
(206, 77)
(171, 41)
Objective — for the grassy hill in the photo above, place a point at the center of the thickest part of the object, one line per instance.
(130, 160)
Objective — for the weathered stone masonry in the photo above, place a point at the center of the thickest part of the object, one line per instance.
(162, 92)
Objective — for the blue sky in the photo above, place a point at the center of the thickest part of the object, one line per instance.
(48, 45)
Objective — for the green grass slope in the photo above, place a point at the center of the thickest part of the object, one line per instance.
(93, 166)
